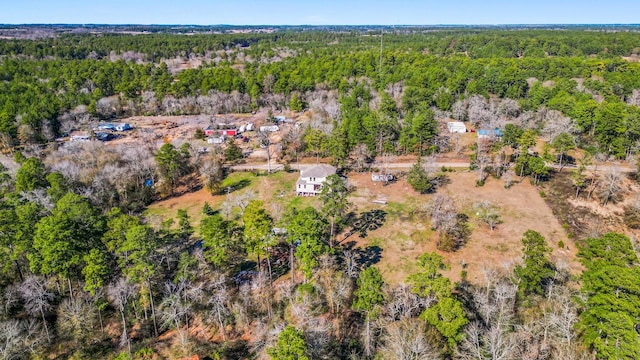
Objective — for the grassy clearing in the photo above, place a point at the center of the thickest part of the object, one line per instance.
(276, 190)
(406, 232)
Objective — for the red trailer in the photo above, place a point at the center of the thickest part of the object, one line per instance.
(229, 132)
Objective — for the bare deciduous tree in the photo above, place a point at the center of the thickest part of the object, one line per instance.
(108, 107)
(491, 337)
(459, 110)
(173, 310)
(212, 174)
(508, 108)
(242, 200)
(11, 342)
(443, 213)
(19, 338)
(219, 298)
(40, 197)
(360, 156)
(508, 177)
(262, 293)
(445, 220)
(486, 212)
(119, 293)
(483, 159)
(37, 299)
(265, 142)
(555, 124)
(610, 186)
(77, 318)
(407, 339)
(404, 303)
(350, 264)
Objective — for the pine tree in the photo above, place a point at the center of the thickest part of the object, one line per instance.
(334, 194)
(233, 151)
(290, 345)
(368, 299)
(537, 269)
(419, 179)
(447, 314)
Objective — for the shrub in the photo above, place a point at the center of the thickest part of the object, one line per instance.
(632, 218)
(199, 134)
(419, 180)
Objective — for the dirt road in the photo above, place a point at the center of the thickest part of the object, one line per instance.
(274, 167)
(408, 165)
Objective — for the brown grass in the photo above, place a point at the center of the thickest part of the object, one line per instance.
(407, 232)
(276, 190)
(587, 217)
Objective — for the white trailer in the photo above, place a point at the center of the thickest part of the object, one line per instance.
(269, 128)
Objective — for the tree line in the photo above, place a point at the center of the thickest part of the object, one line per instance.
(43, 99)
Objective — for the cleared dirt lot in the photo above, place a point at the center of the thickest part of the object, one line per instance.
(406, 232)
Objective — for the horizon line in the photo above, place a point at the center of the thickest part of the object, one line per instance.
(319, 25)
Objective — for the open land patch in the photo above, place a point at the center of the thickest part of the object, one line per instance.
(407, 231)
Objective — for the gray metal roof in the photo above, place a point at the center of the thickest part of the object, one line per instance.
(319, 171)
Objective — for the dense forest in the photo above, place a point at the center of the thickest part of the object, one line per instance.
(85, 274)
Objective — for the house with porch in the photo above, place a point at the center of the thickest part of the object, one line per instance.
(310, 181)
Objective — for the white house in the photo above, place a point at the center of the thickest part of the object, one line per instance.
(311, 179)
(456, 127)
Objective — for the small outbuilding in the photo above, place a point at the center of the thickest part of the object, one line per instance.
(489, 133)
(456, 127)
(229, 132)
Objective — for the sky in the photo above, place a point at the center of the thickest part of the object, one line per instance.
(326, 12)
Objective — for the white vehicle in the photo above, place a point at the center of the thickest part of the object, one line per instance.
(269, 128)
(216, 140)
(382, 177)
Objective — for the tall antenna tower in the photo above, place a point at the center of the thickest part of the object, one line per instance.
(380, 66)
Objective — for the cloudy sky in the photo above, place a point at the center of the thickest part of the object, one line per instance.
(326, 12)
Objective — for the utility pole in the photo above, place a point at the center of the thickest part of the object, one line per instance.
(380, 67)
